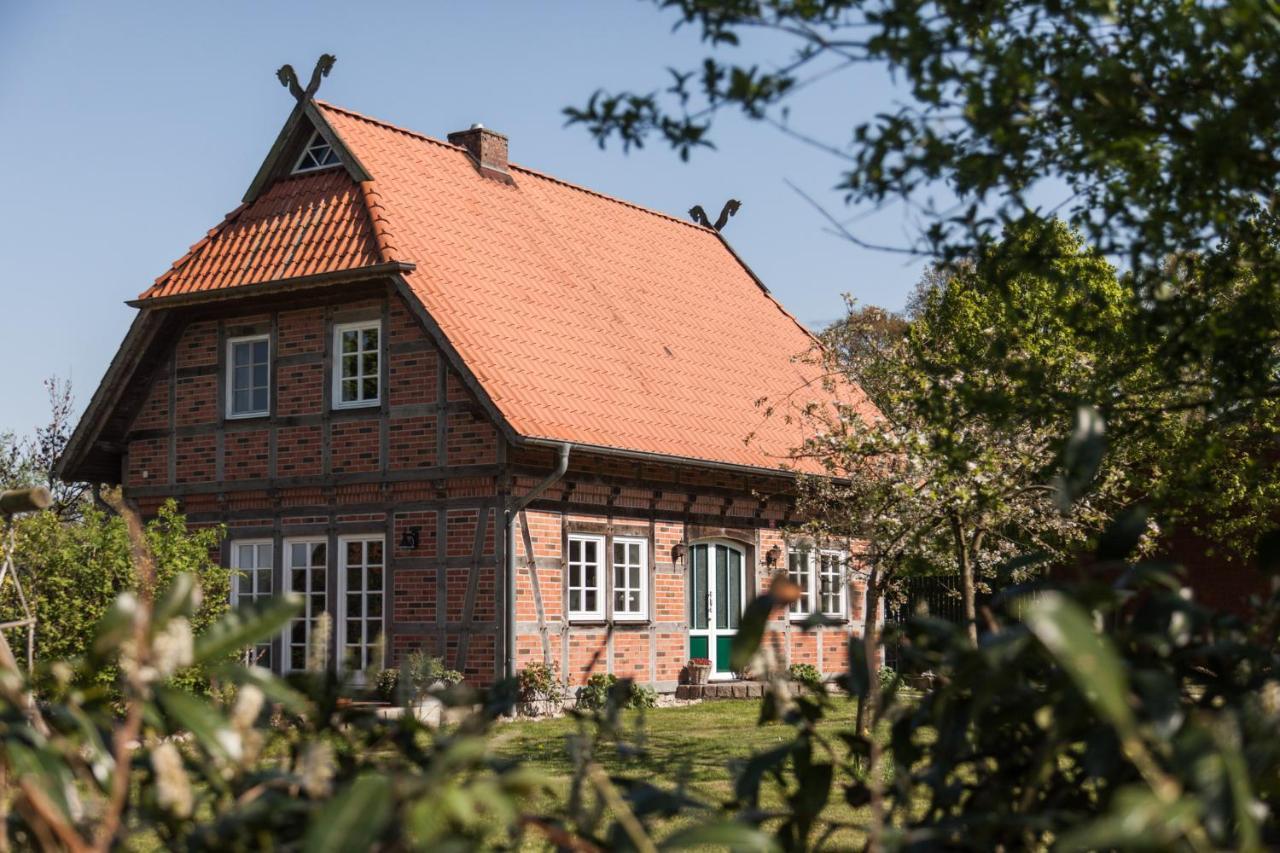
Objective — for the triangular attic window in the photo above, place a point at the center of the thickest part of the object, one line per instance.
(319, 154)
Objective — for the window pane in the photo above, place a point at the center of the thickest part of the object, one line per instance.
(575, 549)
(350, 342)
(370, 389)
(375, 579)
(260, 375)
(575, 600)
(370, 339)
(260, 400)
(354, 553)
(698, 604)
(348, 390)
(369, 364)
(241, 354)
(590, 597)
(350, 363)
(260, 349)
(619, 600)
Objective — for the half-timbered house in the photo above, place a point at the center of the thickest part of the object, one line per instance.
(463, 406)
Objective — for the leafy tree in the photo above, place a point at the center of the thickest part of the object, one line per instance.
(74, 571)
(955, 475)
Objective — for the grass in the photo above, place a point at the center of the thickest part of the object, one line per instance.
(694, 746)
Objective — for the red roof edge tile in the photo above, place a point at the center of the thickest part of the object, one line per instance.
(194, 250)
(378, 217)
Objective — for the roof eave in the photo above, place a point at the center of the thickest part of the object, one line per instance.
(280, 285)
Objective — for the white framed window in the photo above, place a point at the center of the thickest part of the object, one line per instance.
(318, 154)
(249, 376)
(799, 561)
(630, 578)
(362, 592)
(831, 583)
(306, 566)
(252, 563)
(820, 574)
(357, 364)
(586, 577)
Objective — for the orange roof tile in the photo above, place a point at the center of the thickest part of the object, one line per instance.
(584, 318)
(302, 225)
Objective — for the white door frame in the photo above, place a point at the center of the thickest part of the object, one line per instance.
(286, 586)
(711, 632)
(358, 676)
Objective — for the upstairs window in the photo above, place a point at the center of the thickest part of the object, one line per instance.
(357, 369)
(317, 155)
(248, 376)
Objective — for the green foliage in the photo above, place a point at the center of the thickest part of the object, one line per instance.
(386, 685)
(538, 682)
(74, 571)
(605, 690)
(805, 673)
(427, 672)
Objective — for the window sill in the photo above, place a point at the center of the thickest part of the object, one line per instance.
(601, 622)
(247, 416)
(363, 404)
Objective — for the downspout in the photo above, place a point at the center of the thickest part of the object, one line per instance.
(514, 507)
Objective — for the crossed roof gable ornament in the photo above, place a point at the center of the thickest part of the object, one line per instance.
(289, 79)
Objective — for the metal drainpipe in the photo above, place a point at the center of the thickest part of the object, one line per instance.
(514, 506)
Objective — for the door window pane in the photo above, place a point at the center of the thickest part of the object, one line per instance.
(362, 626)
(699, 591)
(307, 565)
(250, 583)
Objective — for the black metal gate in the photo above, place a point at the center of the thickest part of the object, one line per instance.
(937, 595)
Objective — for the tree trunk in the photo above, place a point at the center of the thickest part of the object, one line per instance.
(964, 558)
(871, 644)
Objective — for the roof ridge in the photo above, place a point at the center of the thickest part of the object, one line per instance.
(526, 169)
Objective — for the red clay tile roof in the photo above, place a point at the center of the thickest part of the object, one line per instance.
(302, 225)
(584, 318)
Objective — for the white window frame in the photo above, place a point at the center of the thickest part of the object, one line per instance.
(232, 414)
(317, 140)
(601, 585)
(642, 614)
(802, 607)
(286, 585)
(359, 326)
(344, 589)
(841, 560)
(250, 654)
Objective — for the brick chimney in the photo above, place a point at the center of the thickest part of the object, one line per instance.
(488, 148)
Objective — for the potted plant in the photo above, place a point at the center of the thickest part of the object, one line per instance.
(699, 670)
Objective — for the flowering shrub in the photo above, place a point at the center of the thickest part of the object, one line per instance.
(539, 682)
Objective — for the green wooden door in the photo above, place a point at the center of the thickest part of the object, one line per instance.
(716, 586)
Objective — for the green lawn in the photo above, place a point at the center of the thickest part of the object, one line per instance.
(696, 743)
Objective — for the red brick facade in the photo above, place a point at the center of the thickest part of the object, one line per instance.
(428, 463)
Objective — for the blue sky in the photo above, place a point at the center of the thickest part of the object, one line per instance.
(130, 129)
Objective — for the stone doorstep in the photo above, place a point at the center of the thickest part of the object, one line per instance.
(721, 690)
